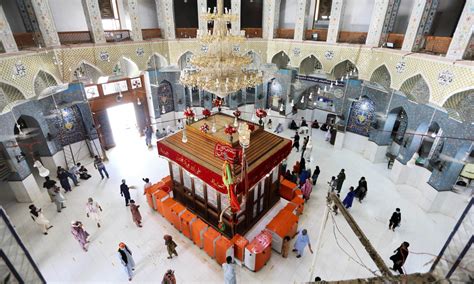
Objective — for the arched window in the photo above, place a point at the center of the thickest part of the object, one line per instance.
(165, 97)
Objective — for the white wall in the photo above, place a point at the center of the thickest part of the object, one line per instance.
(287, 14)
(68, 15)
(357, 14)
(147, 13)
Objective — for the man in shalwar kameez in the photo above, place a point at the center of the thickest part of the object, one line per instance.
(93, 210)
(125, 256)
(301, 241)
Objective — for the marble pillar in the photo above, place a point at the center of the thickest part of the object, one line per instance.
(136, 28)
(6, 35)
(271, 17)
(165, 11)
(46, 23)
(335, 23)
(463, 41)
(94, 20)
(300, 23)
(202, 9)
(235, 25)
(382, 21)
(28, 191)
(420, 22)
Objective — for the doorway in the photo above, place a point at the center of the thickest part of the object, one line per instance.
(123, 124)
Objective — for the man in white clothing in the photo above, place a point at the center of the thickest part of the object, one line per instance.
(93, 210)
(229, 271)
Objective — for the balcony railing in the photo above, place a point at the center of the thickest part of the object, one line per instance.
(74, 37)
(186, 32)
(117, 35)
(352, 37)
(253, 32)
(25, 40)
(151, 33)
(285, 33)
(316, 34)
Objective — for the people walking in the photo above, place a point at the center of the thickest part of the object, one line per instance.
(301, 242)
(170, 246)
(136, 216)
(340, 180)
(306, 189)
(296, 141)
(332, 184)
(361, 190)
(50, 186)
(349, 198)
(39, 219)
(80, 234)
(229, 271)
(125, 192)
(169, 277)
(395, 220)
(126, 258)
(59, 199)
(99, 165)
(63, 179)
(93, 210)
(400, 256)
(315, 175)
(148, 135)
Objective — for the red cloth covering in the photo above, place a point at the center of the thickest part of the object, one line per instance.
(215, 179)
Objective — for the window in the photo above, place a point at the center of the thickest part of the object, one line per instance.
(176, 175)
(212, 197)
(199, 188)
(110, 15)
(186, 180)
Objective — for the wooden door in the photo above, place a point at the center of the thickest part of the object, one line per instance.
(104, 129)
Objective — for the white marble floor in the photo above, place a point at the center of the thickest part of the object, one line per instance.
(62, 260)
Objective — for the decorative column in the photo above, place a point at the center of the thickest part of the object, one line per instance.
(136, 29)
(94, 20)
(6, 35)
(420, 22)
(271, 16)
(300, 23)
(165, 9)
(335, 23)
(235, 25)
(383, 18)
(202, 9)
(462, 40)
(45, 23)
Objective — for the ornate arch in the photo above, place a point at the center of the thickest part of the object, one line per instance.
(86, 71)
(184, 60)
(156, 61)
(126, 66)
(256, 59)
(382, 76)
(281, 60)
(459, 105)
(9, 96)
(309, 64)
(343, 68)
(416, 89)
(42, 81)
(165, 96)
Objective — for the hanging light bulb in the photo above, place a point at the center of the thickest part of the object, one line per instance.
(342, 78)
(310, 96)
(282, 107)
(139, 102)
(213, 129)
(325, 88)
(331, 85)
(185, 138)
(302, 99)
(337, 83)
(292, 103)
(163, 110)
(253, 117)
(319, 91)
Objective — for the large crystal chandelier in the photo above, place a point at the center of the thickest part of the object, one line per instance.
(220, 69)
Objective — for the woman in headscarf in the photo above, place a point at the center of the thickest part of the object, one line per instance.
(306, 189)
(400, 257)
(361, 190)
(78, 232)
(349, 198)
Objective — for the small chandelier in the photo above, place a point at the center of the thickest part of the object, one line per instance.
(220, 69)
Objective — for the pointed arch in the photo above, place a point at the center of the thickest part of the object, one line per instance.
(184, 61)
(343, 68)
(164, 92)
(281, 60)
(9, 96)
(256, 59)
(459, 105)
(87, 72)
(43, 80)
(126, 67)
(382, 76)
(309, 64)
(416, 89)
(156, 61)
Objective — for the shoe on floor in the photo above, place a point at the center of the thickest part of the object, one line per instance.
(45, 233)
(298, 256)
